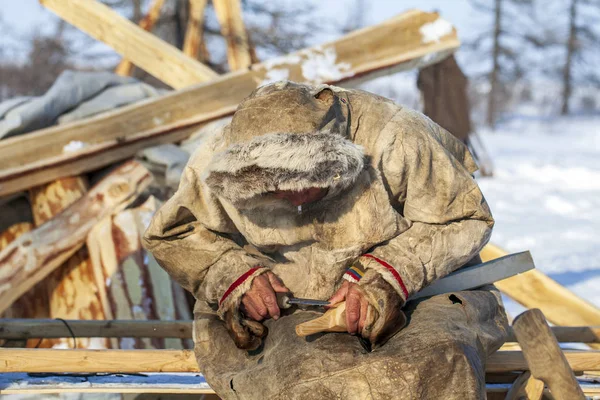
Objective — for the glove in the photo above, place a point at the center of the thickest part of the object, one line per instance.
(246, 333)
(385, 317)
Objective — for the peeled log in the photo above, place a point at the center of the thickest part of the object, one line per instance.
(135, 287)
(71, 290)
(35, 254)
(14, 232)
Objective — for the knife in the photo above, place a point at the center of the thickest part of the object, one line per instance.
(463, 279)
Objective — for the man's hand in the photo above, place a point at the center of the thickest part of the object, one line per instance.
(356, 305)
(260, 302)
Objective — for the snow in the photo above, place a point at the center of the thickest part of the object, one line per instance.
(74, 145)
(434, 31)
(320, 66)
(274, 75)
(545, 197)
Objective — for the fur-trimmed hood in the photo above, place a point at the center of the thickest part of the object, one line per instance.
(286, 136)
(245, 172)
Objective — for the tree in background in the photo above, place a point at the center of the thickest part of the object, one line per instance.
(502, 42)
(275, 28)
(581, 46)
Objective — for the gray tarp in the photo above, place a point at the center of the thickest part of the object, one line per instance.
(74, 94)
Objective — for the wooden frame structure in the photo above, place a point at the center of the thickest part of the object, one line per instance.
(203, 96)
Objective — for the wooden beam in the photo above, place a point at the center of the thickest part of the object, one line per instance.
(36, 328)
(38, 157)
(147, 23)
(145, 50)
(77, 361)
(534, 289)
(544, 357)
(229, 14)
(35, 254)
(13, 232)
(570, 334)
(51, 328)
(193, 43)
(132, 361)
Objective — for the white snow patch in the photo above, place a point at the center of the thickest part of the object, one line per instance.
(127, 343)
(274, 75)
(136, 309)
(320, 66)
(97, 343)
(434, 31)
(559, 205)
(74, 145)
(285, 60)
(108, 282)
(61, 345)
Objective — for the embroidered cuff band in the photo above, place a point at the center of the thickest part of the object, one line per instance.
(237, 283)
(353, 274)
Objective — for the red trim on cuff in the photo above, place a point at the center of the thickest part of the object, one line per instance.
(237, 283)
(392, 270)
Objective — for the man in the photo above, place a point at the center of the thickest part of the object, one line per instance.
(331, 194)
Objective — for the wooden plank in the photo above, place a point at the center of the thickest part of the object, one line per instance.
(193, 43)
(526, 387)
(38, 157)
(51, 328)
(570, 334)
(147, 23)
(534, 289)
(229, 14)
(142, 48)
(544, 357)
(116, 361)
(35, 254)
(133, 361)
(507, 361)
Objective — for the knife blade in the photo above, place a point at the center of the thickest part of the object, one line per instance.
(285, 300)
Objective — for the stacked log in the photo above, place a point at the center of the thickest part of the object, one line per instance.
(134, 286)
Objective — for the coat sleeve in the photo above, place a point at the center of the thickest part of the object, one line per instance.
(191, 237)
(447, 216)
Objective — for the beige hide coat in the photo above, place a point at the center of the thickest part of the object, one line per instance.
(399, 189)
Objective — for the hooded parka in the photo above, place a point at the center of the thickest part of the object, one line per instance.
(401, 201)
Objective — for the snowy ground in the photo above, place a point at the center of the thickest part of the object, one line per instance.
(545, 197)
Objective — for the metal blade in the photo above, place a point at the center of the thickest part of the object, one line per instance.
(307, 302)
(479, 275)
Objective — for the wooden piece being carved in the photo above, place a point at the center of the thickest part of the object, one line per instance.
(35, 254)
(333, 320)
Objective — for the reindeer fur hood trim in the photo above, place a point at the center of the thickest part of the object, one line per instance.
(245, 172)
